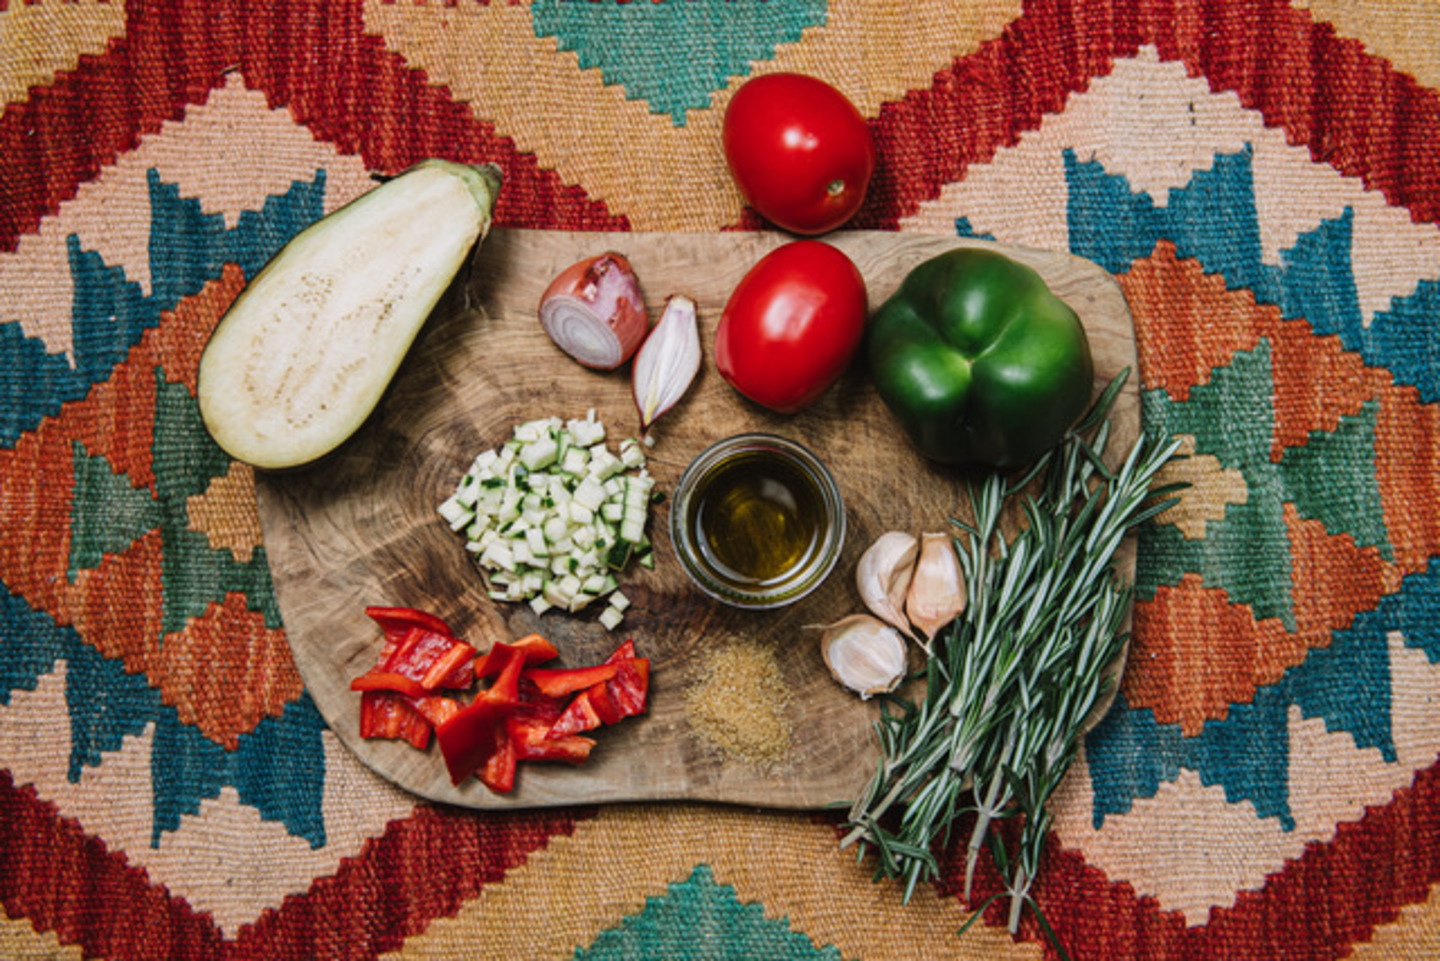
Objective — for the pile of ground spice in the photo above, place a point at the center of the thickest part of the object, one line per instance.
(738, 702)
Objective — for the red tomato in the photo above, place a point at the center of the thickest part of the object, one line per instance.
(799, 151)
(792, 325)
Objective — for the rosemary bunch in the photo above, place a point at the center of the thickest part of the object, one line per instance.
(1010, 682)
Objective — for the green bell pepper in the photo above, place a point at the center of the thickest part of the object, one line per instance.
(979, 361)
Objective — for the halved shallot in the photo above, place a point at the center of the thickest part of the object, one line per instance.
(594, 311)
(668, 360)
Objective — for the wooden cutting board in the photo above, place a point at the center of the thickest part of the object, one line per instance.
(361, 528)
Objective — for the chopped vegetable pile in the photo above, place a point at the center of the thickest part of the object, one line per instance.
(552, 515)
(526, 713)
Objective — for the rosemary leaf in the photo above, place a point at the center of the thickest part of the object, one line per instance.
(1010, 683)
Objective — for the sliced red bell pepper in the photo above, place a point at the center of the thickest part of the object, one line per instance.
(452, 667)
(498, 771)
(435, 708)
(629, 689)
(506, 686)
(623, 695)
(558, 682)
(522, 715)
(471, 738)
(579, 716)
(398, 620)
(422, 662)
(384, 714)
(532, 705)
(430, 657)
(532, 743)
(381, 680)
(536, 650)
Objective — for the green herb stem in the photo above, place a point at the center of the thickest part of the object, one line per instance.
(1010, 683)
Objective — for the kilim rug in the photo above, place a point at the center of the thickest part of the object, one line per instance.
(1262, 178)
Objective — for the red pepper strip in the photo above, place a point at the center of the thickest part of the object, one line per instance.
(559, 682)
(462, 676)
(535, 706)
(398, 620)
(436, 709)
(623, 695)
(537, 650)
(604, 704)
(435, 660)
(532, 744)
(384, 714)
(380, 680)
(476, 733)
(579, 716)
(630, 688)
(506, 686)
(418, 649)
(450, 667)
(498, 772)
(471, 736)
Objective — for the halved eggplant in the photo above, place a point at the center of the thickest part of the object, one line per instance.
(307, 349)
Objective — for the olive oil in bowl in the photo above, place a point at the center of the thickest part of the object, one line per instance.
(757, 521)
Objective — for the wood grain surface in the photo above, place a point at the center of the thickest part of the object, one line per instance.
(360, 528)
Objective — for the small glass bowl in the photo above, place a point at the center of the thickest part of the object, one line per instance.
(705, 564)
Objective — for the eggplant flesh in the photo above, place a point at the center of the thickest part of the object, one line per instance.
(307, 349)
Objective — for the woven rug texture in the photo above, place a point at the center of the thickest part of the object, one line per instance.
(1262, 179)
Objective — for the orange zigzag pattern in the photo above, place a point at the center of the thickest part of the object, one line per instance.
(1188, 323)
(118, 606)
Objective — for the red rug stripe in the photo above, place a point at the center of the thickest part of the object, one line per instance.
(424, 867)
(66, 882)
(1352, 110)
(1331, 897)
(421, 868)
(1324, 91)
(348, 89)
(364, 99)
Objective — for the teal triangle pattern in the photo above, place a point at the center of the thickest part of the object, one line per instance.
(108, 515)
(107, 512)
(700, 920)
(674, 56)
(1247, 552)
(1213, 220)
(186, 459)
(1331, 478)
(278, 767)
(109, 312)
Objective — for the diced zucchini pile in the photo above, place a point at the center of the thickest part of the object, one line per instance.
(552, 516)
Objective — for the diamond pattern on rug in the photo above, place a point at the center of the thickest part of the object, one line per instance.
(674, 56)
(702, 912)
(188, 249)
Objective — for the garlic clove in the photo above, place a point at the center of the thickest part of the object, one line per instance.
(937, 592)
(864, 654)
(883, 575)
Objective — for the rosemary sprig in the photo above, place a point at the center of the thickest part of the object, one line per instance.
(1010, 682)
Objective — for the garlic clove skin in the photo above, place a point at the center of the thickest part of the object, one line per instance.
(937, 592)
(883, 575)
(864, 654)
